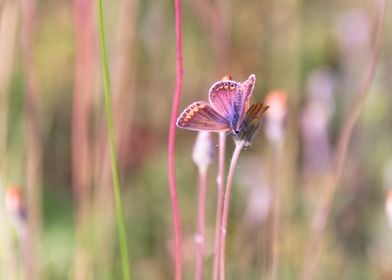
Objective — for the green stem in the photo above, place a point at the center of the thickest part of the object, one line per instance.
(116, 182)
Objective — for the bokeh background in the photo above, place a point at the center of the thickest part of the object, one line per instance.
(56, 207)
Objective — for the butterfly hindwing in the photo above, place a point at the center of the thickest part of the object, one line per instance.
(202, 116)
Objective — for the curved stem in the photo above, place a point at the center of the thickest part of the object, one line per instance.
(276, 168)
(226, 205)
(219, 205)
(113, 152)
(171, 145)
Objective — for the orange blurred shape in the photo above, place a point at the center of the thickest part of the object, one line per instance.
(388, 207)
(13, 198)
(226, 77)
(277, 100)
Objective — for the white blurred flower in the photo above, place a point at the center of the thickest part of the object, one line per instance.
(388, 207)
(203, 150)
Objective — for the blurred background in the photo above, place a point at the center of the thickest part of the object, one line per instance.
(56, 205)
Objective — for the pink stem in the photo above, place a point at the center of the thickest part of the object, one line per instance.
(31, 259)
(200, 236)
(171, 145)
(226, 205)
(219, 207)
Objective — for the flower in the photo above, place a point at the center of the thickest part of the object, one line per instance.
(203, 150)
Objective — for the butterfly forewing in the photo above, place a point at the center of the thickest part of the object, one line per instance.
(202, 116)
(221, 96)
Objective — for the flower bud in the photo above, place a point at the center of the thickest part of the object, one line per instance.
(203, 150)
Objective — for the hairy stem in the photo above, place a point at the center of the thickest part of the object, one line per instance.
(226, 205)
(219, 206)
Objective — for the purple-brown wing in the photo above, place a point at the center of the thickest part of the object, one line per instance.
(201, 116)
(247, 89)
(231, 99)
(250, 123)
(241, 101)
(221, 95)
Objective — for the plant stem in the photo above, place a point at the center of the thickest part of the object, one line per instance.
(31, 252)
(172, 142)
(226, 205)
(84, 84)
(113, 153)
(276, 168)
(200, 235)
(321, 217)
(219, 205)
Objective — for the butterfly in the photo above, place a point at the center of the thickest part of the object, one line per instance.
(227, 109)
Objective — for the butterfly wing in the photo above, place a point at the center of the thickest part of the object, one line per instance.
(231, 99)
(221, 95)
(201, 116)
(251, 122)
(255, 112)
(247, 89)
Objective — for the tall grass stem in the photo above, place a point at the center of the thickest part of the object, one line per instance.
(113, 153)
